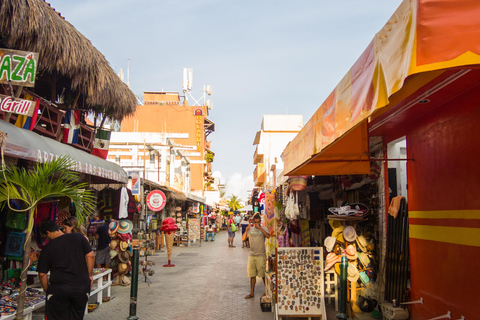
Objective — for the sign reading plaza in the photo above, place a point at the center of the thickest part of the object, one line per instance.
(18, 68)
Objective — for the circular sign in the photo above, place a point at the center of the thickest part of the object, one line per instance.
(156, 200)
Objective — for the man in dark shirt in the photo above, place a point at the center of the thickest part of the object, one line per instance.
(69, 259)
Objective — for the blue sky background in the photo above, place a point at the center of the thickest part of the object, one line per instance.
(261, 57)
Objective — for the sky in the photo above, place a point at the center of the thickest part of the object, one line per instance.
(261, 57)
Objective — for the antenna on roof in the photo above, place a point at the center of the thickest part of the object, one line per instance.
(128, 72)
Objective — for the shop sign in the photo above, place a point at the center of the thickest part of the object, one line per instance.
(18, 106)
(199, 133)
(135, 182)
(18, 67)
(156, 200)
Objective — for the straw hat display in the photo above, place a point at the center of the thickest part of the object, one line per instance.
(124, 256)
(113, 254)
(329, 243)
(352, 273)
(123, 245)
(122, 268)
(331, 260)
(362, 243)
(113, 228)
(125, 226)
(349, 234)
(113, 244)
(351, 252)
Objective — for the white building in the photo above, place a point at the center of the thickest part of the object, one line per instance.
(276, 132)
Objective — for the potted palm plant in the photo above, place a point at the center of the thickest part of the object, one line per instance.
(44, 182)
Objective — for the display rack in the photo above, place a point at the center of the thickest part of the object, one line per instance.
(300, 283)
(194, 231)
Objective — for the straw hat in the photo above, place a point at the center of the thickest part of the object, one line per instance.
(351, 252)
(123, 245)
(125, 226)
(124, 256)
(113, 254)
(178, 208)
(362, 243)
(335, 224)
(125, 236)
(349, 234)
(331, 259)
(112, 228)
(122, 268)
(370, 246)
(329, 243)
(364, 259)
(352, 273)
(113, 244)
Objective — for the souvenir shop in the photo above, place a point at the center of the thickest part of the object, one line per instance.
(13, 227)
(314, 219)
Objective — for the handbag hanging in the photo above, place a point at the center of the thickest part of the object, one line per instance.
(234, 227)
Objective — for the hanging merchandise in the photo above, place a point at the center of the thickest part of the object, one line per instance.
(298, 183)
(354, 209)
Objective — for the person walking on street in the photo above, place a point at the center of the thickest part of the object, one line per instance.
(257, 258)
(102, 256)
(69, 259)
(244, 225)
(238, 219)
(231, 234)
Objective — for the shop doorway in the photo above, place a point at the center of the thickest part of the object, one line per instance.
(397, 271)
(397, 170)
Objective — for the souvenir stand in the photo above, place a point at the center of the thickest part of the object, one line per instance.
(300, 283)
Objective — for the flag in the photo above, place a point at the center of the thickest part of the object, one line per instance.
(71, 126)
(102, 143)
(27, 122)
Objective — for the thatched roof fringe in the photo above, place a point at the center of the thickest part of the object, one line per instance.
(32, 25)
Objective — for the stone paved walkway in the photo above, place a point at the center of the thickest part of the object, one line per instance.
(207, 282)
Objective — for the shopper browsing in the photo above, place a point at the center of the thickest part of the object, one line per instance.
(231, 233)
(69, 259)
(257, 258)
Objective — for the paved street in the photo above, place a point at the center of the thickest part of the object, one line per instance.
(207, 282)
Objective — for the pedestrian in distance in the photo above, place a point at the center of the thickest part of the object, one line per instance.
(238, 219)
(102, 255)
(257, 259)
(231, 234)
(69, 259)
(244, 224)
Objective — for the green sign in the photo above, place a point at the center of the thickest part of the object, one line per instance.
(18, 67)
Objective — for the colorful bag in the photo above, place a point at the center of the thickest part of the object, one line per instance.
(298, 183)
(234, 227)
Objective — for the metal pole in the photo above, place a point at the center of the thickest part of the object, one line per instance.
(134, 286)
(343, 288)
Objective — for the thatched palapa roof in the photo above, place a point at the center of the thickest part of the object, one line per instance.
(32, 25)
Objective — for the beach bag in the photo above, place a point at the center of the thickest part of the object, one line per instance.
(245, 236)
(298, 183)
(291, 210)
(234, 227)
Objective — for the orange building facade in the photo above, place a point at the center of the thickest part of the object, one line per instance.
(163, 112)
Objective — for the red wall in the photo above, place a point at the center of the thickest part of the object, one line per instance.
(445, 175)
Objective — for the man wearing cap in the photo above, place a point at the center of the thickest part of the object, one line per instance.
(102, 256)
(257, 258)
(69, 259)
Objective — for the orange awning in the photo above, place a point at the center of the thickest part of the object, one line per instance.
(346, 155)
(407, 45)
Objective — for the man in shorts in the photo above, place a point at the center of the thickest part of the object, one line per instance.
(102, 256)
(69, 259)
(257, 259)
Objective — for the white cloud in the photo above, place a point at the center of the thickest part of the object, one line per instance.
(239, 185)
